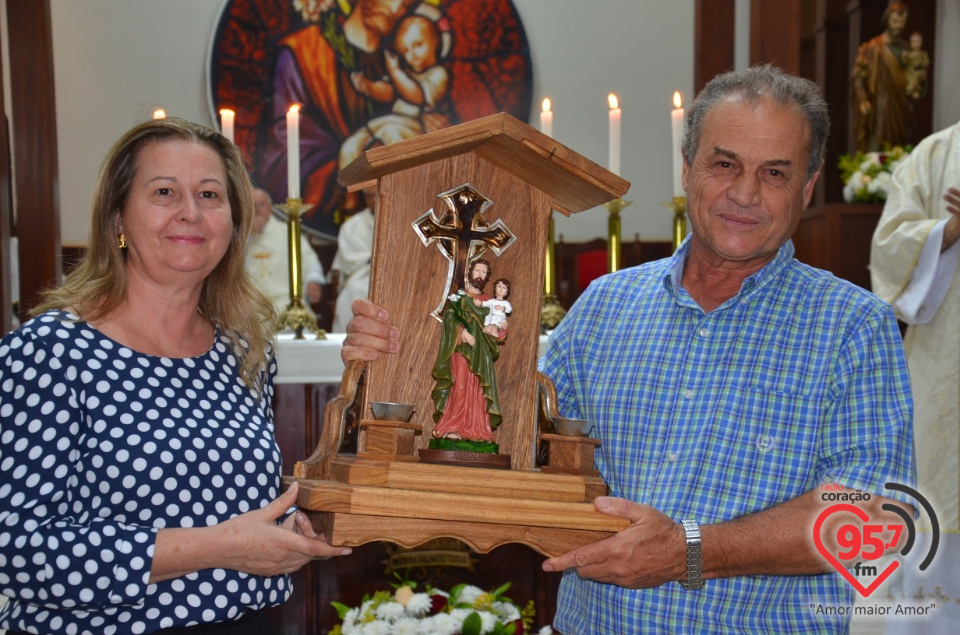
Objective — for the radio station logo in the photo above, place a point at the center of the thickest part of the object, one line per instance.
(860, 546)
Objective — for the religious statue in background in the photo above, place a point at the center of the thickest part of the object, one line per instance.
(918, 61)
(882, 105)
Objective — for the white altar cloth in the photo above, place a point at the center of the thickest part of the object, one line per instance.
(313, 361)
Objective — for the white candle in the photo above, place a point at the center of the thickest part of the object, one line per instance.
(676, 127)
(293, 152)
(226, 123)
(546, 118)
(159, 113)
(614, 159)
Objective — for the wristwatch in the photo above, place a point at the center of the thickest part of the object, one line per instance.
(694, 579)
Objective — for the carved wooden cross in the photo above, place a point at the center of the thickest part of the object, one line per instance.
(462, 234)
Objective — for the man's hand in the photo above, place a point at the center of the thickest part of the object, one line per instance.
(314, 292)
(369, 333)
(648, 553)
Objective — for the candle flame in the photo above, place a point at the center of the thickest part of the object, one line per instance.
(676, 99)
(226, 112)
(159, 113)
(612, 100)
(295, 108)
(546, 104)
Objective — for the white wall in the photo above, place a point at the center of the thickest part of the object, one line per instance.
(115, 60)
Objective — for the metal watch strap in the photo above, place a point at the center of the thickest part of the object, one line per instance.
(694, 579)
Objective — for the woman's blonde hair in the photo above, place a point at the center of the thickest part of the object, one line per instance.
(229, 298)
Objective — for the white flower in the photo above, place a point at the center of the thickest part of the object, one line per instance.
(850, 189)
(443, 624)
(884, 180)
(377, 628)
(350, 617)
(385, 613)
(460, 614)
(546, 630)
(389, 611)
(488, 621)
(469, 594)
(407, 626)
(508, 611)
(419, 605)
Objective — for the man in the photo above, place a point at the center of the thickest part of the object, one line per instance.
(268, 260)
(914, 265)
(467, 405)
(727, 385)
(354, 250)
(882, 108)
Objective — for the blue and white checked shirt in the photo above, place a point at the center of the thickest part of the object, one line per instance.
(798, 380)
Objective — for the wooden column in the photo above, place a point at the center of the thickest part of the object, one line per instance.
(713, 30)
(775, 33)
(34, 147)
(6, 214)
(834, 61)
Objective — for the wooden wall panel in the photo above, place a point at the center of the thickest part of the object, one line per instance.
(775, 33)
(6, 214)
(713, 33)
(34, 146)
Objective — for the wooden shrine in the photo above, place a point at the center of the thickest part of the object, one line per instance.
(480, 190)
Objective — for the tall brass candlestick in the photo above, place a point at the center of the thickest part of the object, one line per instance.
(613, 232)
(679, 204)
(296, 316)
(550, 310)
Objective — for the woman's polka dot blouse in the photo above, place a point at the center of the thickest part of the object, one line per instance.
(101, 446)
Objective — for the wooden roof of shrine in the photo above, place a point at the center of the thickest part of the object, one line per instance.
(572, 181)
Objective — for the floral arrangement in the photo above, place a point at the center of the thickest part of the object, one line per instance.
(465, 610)
(867, 176)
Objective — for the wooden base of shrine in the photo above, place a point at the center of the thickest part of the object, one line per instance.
(465, 459)
(411, 503)
(570, 454)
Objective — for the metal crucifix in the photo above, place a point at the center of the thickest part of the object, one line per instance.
(462, 234)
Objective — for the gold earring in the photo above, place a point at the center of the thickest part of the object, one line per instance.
(121, 241)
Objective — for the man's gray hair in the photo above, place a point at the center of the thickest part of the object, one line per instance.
(753, 84)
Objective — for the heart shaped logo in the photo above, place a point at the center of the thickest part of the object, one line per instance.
(862, 515)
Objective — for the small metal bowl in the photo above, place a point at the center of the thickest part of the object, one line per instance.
(387, 411)
(572, 427)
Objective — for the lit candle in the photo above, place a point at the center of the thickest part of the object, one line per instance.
(159, 113)
(226, 123)
(676, 125)
(614, 160)
(546, 118)
(293, 152)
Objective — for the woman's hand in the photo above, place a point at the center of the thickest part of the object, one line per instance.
(252, 542)
(267, 549)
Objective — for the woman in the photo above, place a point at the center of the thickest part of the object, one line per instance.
(141, 476)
